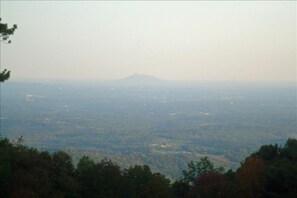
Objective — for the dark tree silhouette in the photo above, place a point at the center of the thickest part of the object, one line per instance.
(146, 184)
(27, 172)
(208, 185)
(194, 170)
(267, 152)
(5, 32)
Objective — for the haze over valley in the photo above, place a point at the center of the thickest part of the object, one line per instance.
(142, 119)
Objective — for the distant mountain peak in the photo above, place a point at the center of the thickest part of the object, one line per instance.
(140, 79)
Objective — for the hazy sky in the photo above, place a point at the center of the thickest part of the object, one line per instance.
(228, 40)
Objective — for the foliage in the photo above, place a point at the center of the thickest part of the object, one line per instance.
(180, 188)
(208, 185)
(146, 183)
(4, 75)
(31, 173)
(250, 178)
(267, 152)
(290, 150)
(103, 179)
(269, 172)
(25, 170)
(202, 167)
(5, 32)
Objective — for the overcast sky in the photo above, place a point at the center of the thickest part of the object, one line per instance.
(194, 41)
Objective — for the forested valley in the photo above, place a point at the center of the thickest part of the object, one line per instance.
(163, 126)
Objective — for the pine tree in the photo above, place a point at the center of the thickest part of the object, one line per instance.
(5, 32)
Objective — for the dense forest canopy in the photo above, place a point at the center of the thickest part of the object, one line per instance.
(26, 172)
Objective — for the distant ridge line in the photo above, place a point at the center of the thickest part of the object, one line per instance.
(140, 80)
(141, 77)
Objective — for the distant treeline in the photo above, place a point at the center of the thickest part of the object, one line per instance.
(26, 172)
